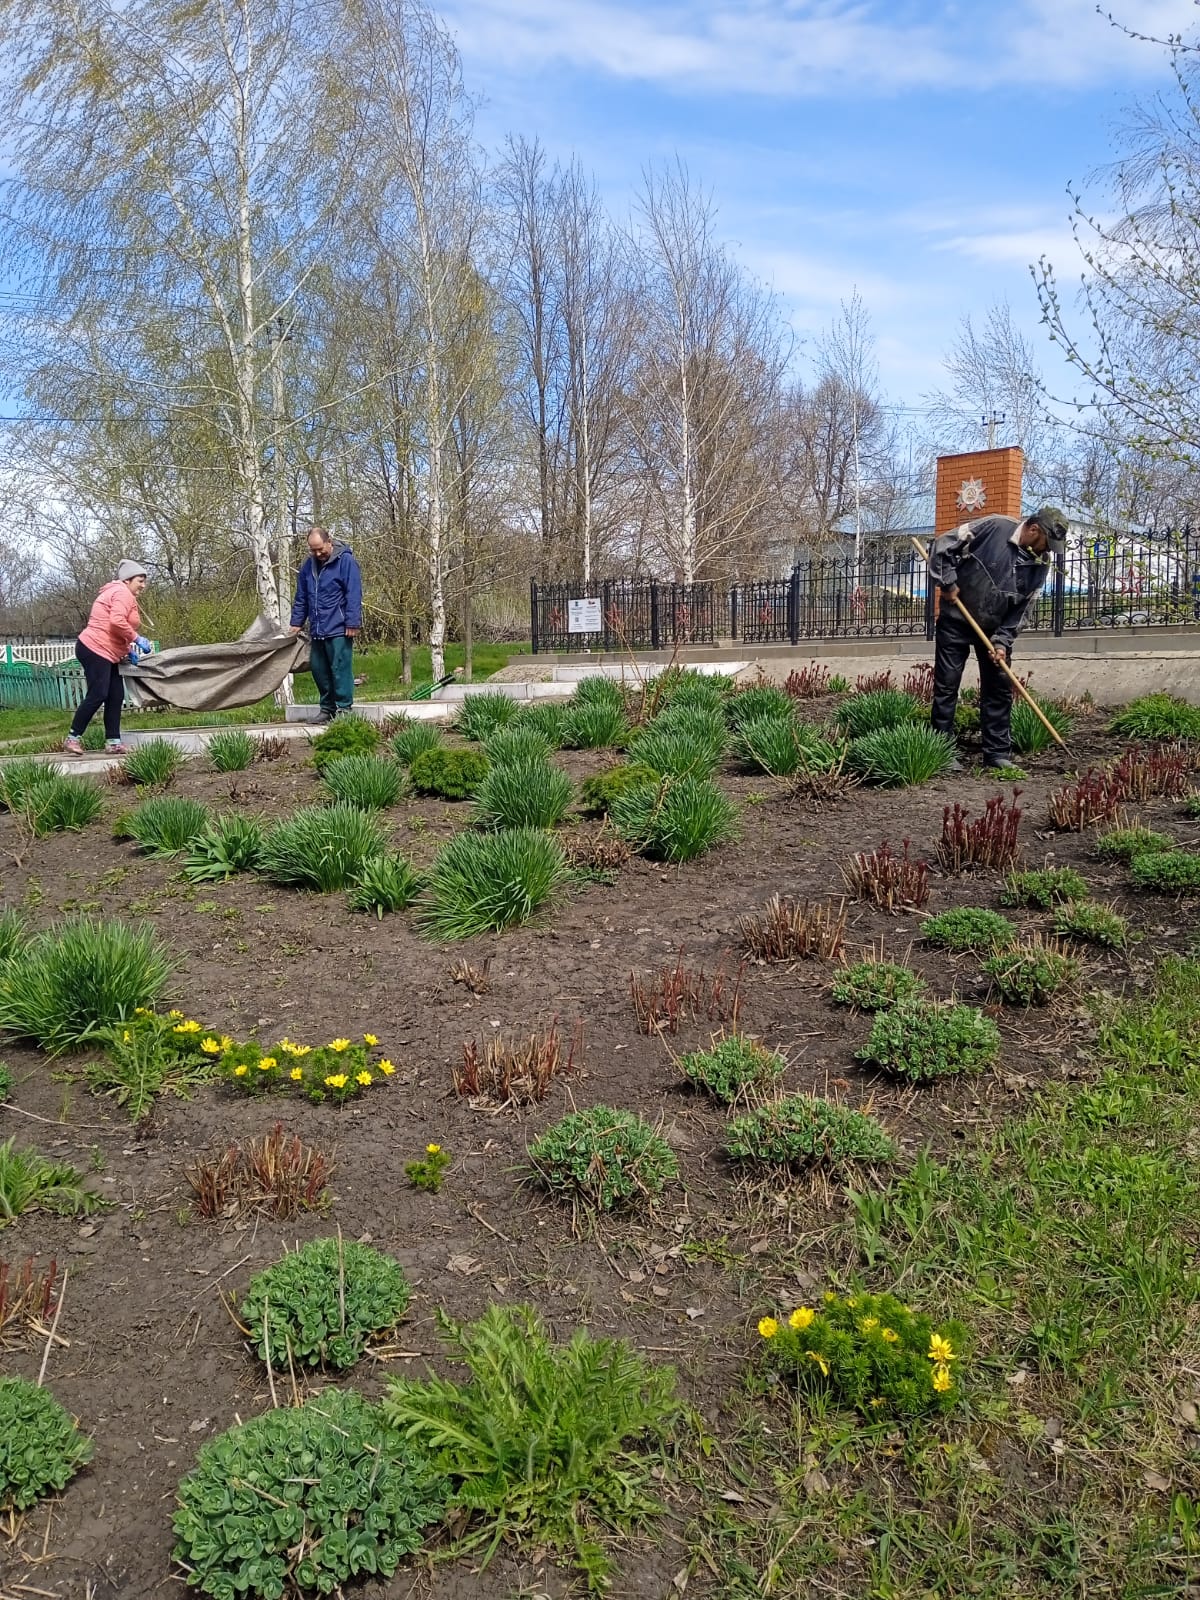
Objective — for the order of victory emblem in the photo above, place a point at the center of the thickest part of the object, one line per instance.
(972, 496)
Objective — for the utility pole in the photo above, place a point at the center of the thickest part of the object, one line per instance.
(990, 422)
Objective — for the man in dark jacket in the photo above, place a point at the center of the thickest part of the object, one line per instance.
(996, 566)
(329, 599)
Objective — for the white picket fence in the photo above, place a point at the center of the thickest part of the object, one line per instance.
(47, 654)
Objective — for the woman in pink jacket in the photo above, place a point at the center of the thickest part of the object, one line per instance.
(113, 631)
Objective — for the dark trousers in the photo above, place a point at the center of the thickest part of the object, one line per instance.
(331, 662)
(954, 642)
(104, 688)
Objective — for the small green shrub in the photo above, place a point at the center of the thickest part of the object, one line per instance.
(603, 1158)
(166, 824)
(1122, 844)
(869, 1351)
(1094, 924)
(1166, 872)
(427, 1172)
(413, 739)
(596, 794)
(546, 1444)
(231, 750)
(369, 782)
(321, 847)
(838, 684)
(384, 883)
(968, 928)
(876, 985)
(1030, 973)
(41, 1449)
(732, 1066)
(300, 1501)
(14, 935)
(1157, 716)
(1191, 809)
(481, 714)
(230, 844)
(346, 735)
(78, 977)
(676, 821)
(783, 746)
(482, 882)
(31, 1182)
(149, 1055)
(878, 709)
(1043, 887)
(321, 1305)
(1029, 735)
(449, 774)
(760, 700)
(516, 742)
(898, 757)
(593, 725)
(599, 691)
(926, 1039)
(802, 1131)
(522, 794)
(152, 765)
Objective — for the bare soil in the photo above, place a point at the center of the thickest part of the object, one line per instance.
(152, 1361)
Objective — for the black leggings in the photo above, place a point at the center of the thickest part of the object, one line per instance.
(104, 688)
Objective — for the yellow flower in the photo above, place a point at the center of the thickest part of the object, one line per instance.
(299, 1050)
(768, 1327)
(940, 1350)
(339, 1045)
(820, 1360)
(364, 1078)
(126, 1036)
(266, 1063)
(941, 1378)
(830, 1297)
(142, 1011)
(433, 1149)
(868, 1324)
(336, 1080)
(187, 1027)
(226, 1042)
(175, 1013)
(890, 1335)
(876, 1402)
(296, 1075)
(801, 1318)
(387, 1068)
(211, 1046)
(369, 1038)
(240, 1072)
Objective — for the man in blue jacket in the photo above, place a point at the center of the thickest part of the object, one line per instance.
(329, 599)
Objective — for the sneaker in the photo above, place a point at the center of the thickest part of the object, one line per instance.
(955, 766)
(997, 763)
(73, 745)
(324, 716)
(116, 748)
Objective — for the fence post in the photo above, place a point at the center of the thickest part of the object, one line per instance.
(793, 606)
(654, 634)
(733, 612)
(533, 613)
(1058, 601)
(930, 609)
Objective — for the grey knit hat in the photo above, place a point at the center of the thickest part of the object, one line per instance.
(130, 569)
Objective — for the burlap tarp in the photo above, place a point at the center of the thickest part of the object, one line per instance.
(217, 677)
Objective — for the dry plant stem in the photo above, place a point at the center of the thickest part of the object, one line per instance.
(989, 841)
(789, 930)
(30, 1296)
(62, 1295)
(889, 881)
(682, 991)
(520, 1074)
(477, 979)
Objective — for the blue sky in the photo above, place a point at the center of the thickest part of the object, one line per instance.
(917, 149)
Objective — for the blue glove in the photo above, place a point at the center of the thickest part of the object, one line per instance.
(144, 645)
(132, 659)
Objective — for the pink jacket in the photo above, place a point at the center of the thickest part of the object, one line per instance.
(114, 623)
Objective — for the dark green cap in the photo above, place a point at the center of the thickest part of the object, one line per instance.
(1053, 524)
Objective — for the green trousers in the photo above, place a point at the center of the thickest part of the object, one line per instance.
(331, 662)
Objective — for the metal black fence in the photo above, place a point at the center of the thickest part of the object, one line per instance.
(1136, 580)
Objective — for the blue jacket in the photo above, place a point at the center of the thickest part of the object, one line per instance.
(997, 580)
(329, 597)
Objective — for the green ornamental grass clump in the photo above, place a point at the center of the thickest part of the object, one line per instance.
(547, 1444)
(868, 1351)
(413, 739)
(229, 844)
(1092, 923)
(783, 746)
(448, 774)
(923, 1040)
(371, 783)
(599, 691)
(544, 717)
(1122, 844)
(1029, 735)
(480, 715)
(322, 1305)
(968, 928)
(803, 1131)
(1157, 716)
(14, 934)
(346, 735)
(31, 1182)
(898, 757)
(5, 1081)
(876, 985)
(166, 824)
(678, 743)
(231, 750)
(527, 793)
(152, 765)
(1043, 887)
(597, 793)
(676, 821)
(17, 777)
(321, 847)
(41, 1449)
(1031, 973)
(706, 690)
(384, 883)
(593, 725)
(603, 1158)
(77, 978)
(732, 1066)
(760, 700)
(878, 709)
(485, 882)
(516, 742)
(248, 1523)
(1166, 872)
(49, 801)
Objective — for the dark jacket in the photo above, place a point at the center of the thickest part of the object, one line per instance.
(329, 597)
(997, 580)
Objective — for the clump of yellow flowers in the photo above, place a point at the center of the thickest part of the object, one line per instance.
(336, 1071)
(871, 1350)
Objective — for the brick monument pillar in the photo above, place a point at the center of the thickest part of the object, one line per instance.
(980, 483)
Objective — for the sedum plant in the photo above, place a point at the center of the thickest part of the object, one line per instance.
(675, 821)
(1031, 973)
(1122, 844)
(372, 783)
(923, 1040)
(41, 1449)
(732, 1066)
(481, 883)
(525, 793)
(448, 774)
(1043, 887)
(323, 1304)
(968, 928)
(603, 1158)
(801, 1130)
(77, 978)
(321, 847)
(1166, 872)
(1092, 923)
(876, 985)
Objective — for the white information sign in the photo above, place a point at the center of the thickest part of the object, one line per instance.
(583, 616)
